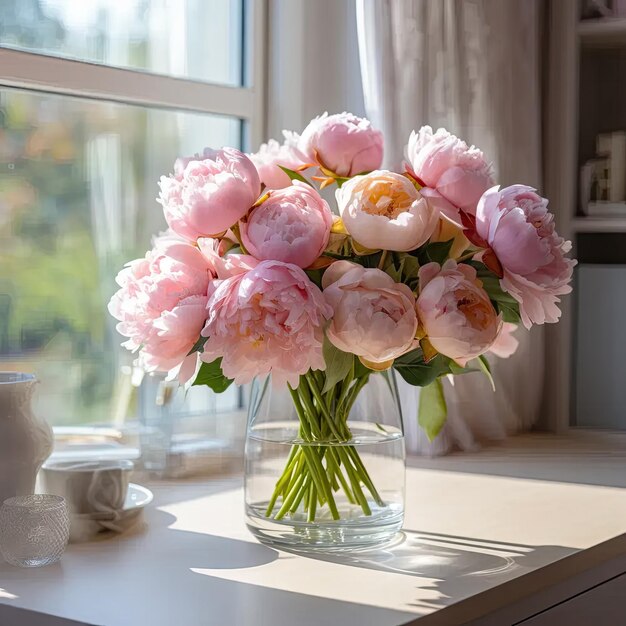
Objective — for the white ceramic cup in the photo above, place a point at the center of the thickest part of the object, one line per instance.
(90, 487)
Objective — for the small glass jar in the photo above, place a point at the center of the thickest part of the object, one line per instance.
(34, 530)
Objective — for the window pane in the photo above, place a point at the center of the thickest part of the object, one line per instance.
(198, 39)
(78, 182)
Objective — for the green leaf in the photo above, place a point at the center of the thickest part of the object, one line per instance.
(432, 411)
(438, 251)
(393, 271)
(410, 267)
(211, 375)
(510, 312)
(403, 268)
(368, 260)
(416, 372)
(457, 370)
(341, 257)
(315, 276)
(295, 175)
(491, 284)
(360, 370)
(197, 347)
(485, 368)
(338, 364)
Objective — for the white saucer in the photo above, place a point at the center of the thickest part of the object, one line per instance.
(137, 497)
(85, 527)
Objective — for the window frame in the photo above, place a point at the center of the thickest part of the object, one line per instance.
(45, 73)
(39, 72)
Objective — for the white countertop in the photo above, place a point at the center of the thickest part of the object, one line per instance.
(474, 524)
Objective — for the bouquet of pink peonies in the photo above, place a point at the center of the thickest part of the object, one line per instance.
(421, 271)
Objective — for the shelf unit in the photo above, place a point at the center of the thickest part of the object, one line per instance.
(598, 224)
(603, 32)
(585, 96)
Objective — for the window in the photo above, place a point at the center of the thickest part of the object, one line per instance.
(173, 37)
(95, 104)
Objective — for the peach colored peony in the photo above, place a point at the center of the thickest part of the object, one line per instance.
(292, 225)
(455, 311)
(454, 175)
(160, 301)
(516, 223)
(342, 143)
(373, 316)
(267, 320)
(272, 154)
(384, 210)
(206, 197)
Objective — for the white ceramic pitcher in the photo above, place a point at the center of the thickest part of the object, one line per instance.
(25, 440)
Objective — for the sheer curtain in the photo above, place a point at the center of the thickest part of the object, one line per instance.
(473, 67)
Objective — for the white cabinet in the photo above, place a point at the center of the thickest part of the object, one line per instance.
(600, 342)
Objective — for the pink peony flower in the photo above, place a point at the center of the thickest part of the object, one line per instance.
(505, 344)
(454, 175)
(208, 196)
(225, 264)
(516, 223)
(455, 311)
(373, 316)
(272, 154)
(174, 333)
(181, 162)
(267, 320)
(384, 210)
(342, 143)
(292, 225)
(159, 302)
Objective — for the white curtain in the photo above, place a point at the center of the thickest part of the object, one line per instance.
(473, 67)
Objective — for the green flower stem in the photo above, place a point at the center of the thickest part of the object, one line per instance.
(284, 509)
(359, 471)
(354, 392)
(288, 476)
(342, 480)
(309, 410)
(345, 387)
(318, 474)
(332, 458)
(312, 504)
(292, 468)
(356, 485)
(299, 466)
(306, 411)
(304, 489)
(331, 469)
(324, 410)
(363, 473)
(314, 473)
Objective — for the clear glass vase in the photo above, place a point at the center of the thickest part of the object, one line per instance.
(325, 467)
